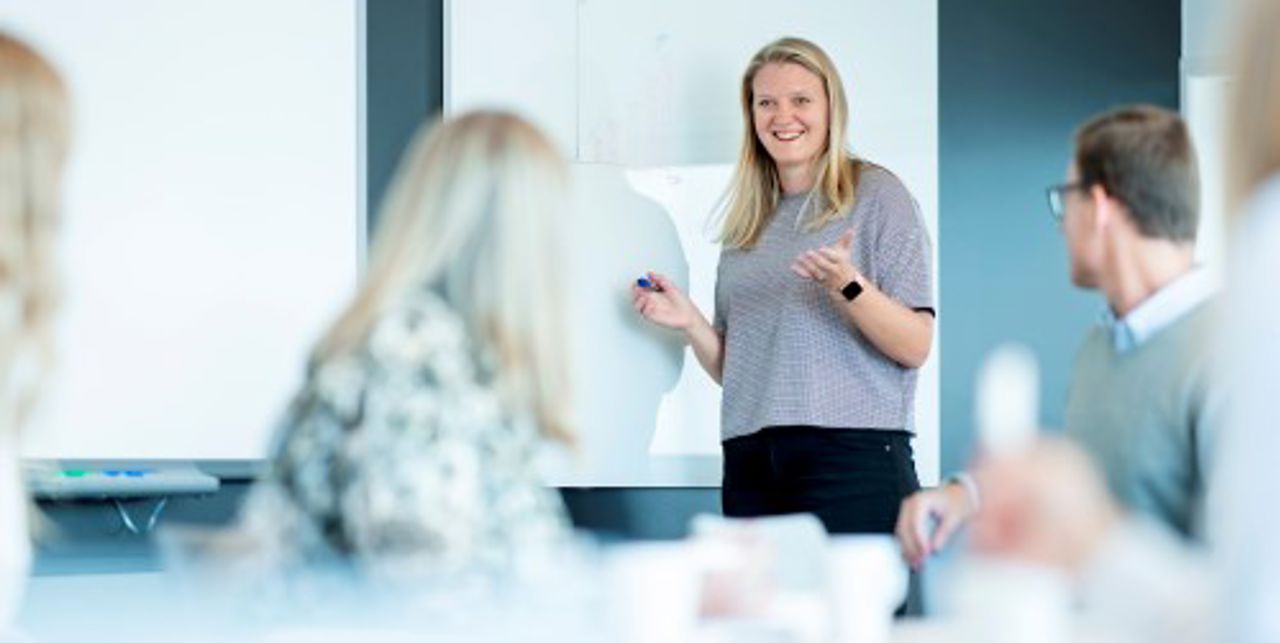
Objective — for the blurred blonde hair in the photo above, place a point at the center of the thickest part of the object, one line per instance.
(1254, 123)
(474, 211)
(754, 192)
(34, 136)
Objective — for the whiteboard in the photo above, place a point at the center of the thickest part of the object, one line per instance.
(212, 218)
(642, 98)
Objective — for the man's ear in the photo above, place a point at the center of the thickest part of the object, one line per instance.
(1104, 207)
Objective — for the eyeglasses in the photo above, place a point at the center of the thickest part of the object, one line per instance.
(1058, 198)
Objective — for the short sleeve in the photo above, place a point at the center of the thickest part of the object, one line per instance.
(719, 322)
(903, 250)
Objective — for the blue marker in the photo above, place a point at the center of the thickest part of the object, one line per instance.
(645, 283)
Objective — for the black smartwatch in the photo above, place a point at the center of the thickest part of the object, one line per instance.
(852, 290)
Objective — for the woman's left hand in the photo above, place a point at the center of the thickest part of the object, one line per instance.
(830, 265)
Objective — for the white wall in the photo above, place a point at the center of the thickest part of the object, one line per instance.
(1205, 24)
(212, 217)
(1206, 87)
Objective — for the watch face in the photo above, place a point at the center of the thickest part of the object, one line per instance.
(851, 291)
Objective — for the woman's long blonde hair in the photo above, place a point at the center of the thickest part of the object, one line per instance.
(475, 212)
(1254, 125)
(34, 137)
(753, 195)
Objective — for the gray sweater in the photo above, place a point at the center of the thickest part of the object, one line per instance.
(1148, 416)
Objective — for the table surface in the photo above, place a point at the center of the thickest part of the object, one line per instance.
(150, 606)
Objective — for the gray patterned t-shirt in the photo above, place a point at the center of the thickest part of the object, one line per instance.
(792, 358)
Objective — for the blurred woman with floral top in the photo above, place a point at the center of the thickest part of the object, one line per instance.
(410, 449)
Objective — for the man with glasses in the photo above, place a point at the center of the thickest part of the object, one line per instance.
(1141, 402)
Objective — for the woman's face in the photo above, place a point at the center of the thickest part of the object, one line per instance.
(789, 109)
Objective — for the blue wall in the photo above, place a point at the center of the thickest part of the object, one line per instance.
(1015, 79)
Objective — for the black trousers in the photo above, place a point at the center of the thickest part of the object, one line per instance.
(853, 480)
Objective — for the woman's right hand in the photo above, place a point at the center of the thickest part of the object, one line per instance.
(666, 305)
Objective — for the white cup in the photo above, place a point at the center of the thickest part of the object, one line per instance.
(1001, 601)
(654, 592)
(868, 581)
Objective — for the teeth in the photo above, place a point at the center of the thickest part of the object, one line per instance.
(787, 136)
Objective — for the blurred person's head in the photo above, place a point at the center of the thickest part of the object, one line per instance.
(475, 213)
(795, 117)
(34, 136)
(1132, 178)
(1254, 124)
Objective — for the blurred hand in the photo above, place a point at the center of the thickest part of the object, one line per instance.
(928, 519)
(1047, 505)
(831, 265)
(668, 306)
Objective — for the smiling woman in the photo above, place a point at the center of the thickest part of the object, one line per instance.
(789, 111)
(824, 308)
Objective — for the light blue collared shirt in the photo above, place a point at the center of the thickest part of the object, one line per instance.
(1157, 312)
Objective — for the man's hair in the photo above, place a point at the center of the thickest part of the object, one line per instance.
(1142, 155)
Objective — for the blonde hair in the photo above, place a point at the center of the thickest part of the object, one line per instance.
(754, 192)
(34, 137)
(473, 212)
(1254, 134)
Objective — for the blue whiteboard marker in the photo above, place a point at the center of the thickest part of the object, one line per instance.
(648, 284)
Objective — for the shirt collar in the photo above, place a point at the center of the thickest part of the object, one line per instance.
(1157, 312)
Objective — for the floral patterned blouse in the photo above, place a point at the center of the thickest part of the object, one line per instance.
(402, 458)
